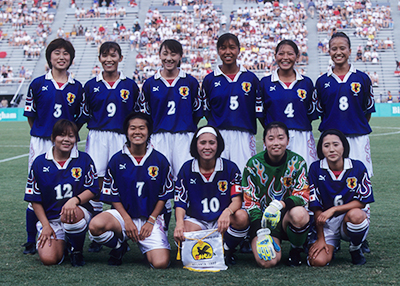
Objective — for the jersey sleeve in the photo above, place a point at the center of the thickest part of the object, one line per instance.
(198, 111)
(32, 191)
(369, 102)
(167, 189)
(315, 198)
(143, 104)
(301, 189)
(110, 191)
(259, 100)
(30, 107)
(251, 194)
(83, 115)
(205, 96)
(91, 179)
(236, 182)
(312, 112)
(363, 191)
(181, 197)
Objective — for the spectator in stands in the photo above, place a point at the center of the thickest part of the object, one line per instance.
(96, 70)
(389, 97)
(359, 54)
(22, 72)
(375, 79)
(4, 103)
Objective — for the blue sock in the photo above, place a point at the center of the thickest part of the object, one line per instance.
(357, 233)
(31, 221)
(76, 233)
(233, 237)
(108, 239)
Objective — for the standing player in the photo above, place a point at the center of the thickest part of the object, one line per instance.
(137, 184)
(172, 99)
(232, 102)
(53, 96)
(346, 100)
(275, 188)
(60, 185)
(340, 188)
(288, 98)
(208, 193)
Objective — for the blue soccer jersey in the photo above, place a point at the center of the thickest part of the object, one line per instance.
(344, 104)
(327, 191)
(47, 103)
(52, 185)
(294, 105)
(174, 107)
(232, 105)
(107, 107)
(206, 199)
(138, 186)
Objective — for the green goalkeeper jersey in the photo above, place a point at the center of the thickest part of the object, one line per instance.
(263, 183)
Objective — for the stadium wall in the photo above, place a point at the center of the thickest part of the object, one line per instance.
(382, 110)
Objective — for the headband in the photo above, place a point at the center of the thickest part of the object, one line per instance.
(207, 129)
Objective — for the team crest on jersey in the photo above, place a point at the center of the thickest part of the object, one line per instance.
(153, 172)
(71, 97)
(202, 250)
(355, 87)
(184, 91)
(246, 86)
(351, 182)
(301, 93)
(223, 186)
(76, 172)
(287, 181)
(124, 93)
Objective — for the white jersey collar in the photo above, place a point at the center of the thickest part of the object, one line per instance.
(346, 166)
(126, 151)
(99, 77)
(74, 154)
(49, 76)
(351, 70)
(219, 166)
(181, 74)
(218, 72)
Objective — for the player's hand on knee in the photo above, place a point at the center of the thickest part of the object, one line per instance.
(272, 215)
(266, 246)
(146, 230)
(178, 232)
(131, 230)
(69, 210)
(224, 221)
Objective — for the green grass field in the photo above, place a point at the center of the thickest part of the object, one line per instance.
(382, 266)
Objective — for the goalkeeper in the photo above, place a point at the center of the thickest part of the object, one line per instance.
(275, 191)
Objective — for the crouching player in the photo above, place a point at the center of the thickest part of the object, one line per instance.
(208, 193)
(60, 184)
(340, 188)
(138, 182)
(275, 188)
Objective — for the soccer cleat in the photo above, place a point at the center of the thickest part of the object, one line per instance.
(230, 257)
(95, 247)
(365, 247)
(245, 246)
(30, 248)
(76, 258)
(116, 254)
(294, 258)
(357, 257)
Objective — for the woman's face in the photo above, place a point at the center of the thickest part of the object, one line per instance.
(228, 52)
(286, 57)
(137, 133)
(65, 142)
(60, 59)
(170, 60)
(110, 60)
(339, 50)
(332, 148)
(207, 146)
(276, 142)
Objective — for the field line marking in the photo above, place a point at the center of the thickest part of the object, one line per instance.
(14, 158)
(384, 127)
(380, 134)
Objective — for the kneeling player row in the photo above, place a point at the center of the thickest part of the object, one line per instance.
(208, 194)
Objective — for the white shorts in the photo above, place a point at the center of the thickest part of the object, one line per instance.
(202, 223)
(174, 146)
(303, 143)
(58, 226)
(158, 238)
(360, 149)
(240, 146)
(37, 147)
(101, 146)
(333, 229)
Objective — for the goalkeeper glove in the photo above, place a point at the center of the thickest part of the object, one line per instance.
(266, 246)
(272, 214)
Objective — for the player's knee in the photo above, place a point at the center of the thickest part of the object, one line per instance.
(50, 259)
(318, 261)
(267, 264)
(96, 226)
(241, 219)
(299, 216)
(356, 216)
(161, 262)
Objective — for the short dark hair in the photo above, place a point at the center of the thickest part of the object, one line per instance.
(62, 126)
(107, 46)
(141, 115)
(340, 35)
(172, 45)
(56, 44)
(226, 37)
(342, 138)
(220, 143)
(289, 43)
(275, 124)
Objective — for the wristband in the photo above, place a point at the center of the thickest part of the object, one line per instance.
(79, 199)
(152, 223)
(232, 213)
(152, 217)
